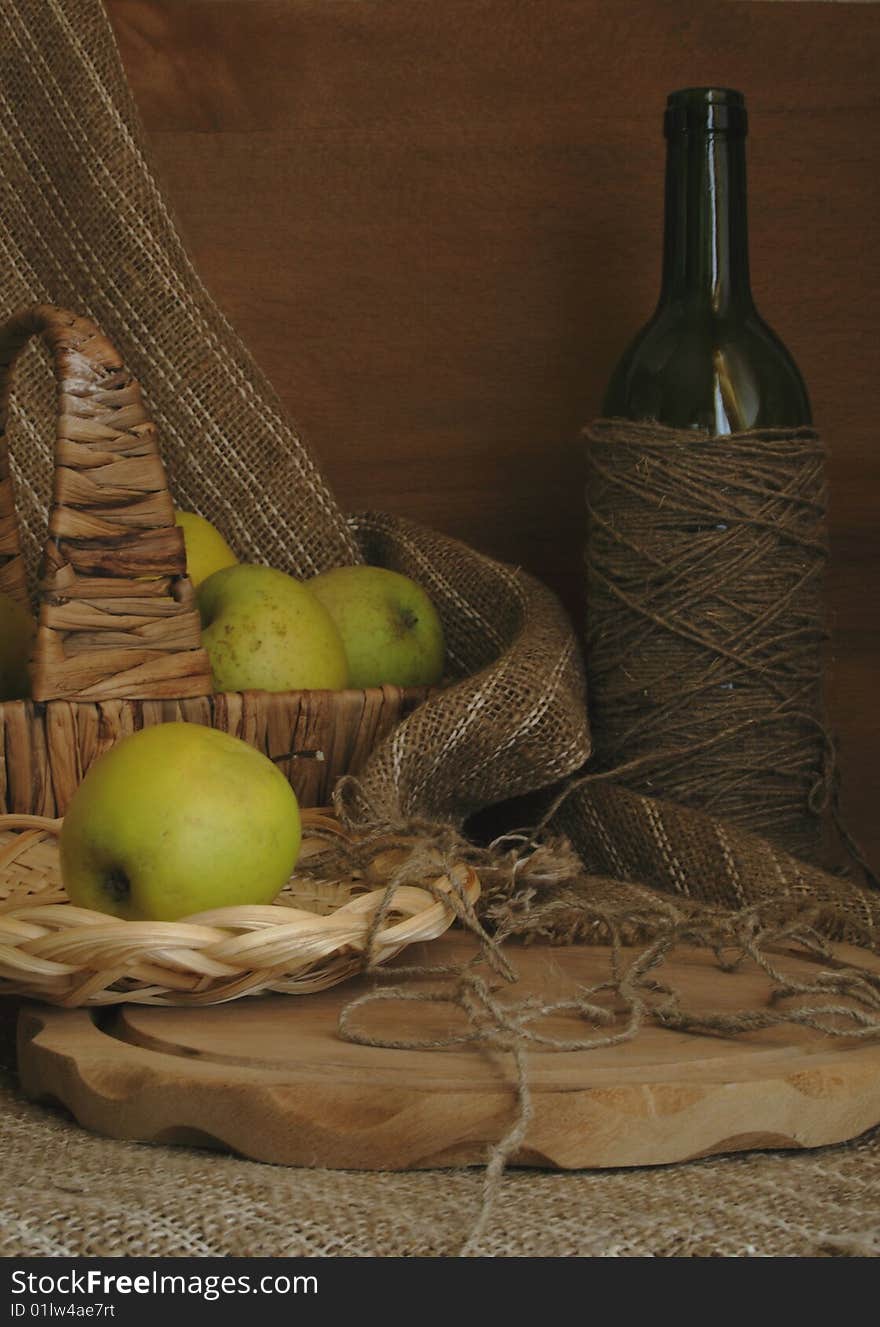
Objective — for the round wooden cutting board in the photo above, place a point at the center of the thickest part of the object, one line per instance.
(273, 1080)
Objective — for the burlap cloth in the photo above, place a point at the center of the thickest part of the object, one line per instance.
(66, 1193)
(83, 224)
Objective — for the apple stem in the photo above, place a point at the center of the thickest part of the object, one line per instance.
(302, 755)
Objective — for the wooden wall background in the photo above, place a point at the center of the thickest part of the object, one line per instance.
(437, 224)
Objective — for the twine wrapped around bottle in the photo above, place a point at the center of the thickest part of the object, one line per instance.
(705, 567)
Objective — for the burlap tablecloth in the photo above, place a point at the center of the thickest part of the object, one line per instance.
(67, 1193)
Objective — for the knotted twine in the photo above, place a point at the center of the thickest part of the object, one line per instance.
(535, 886)
(705, 621)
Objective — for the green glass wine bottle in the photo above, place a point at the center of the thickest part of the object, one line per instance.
(705, 524)
(706, 359)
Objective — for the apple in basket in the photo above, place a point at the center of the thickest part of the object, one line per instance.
(352, 626)
(390, 628)
(265, 631)
(177, 819)
(206, 549)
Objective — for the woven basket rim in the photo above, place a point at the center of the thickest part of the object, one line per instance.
(386, 688)
(55, 952)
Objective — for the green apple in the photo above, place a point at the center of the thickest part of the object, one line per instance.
(177, 819)
(206, 549)
(390, 628)
(17, 631)
(265, 631)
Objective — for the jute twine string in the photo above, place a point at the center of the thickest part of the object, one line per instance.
(518, 871)
(705, 625)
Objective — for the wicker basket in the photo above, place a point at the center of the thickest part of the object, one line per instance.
(317, 933)
(118, 644)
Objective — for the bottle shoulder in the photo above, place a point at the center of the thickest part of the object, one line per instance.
(694, 368)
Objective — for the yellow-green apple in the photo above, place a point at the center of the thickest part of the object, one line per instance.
(206, 549)
(177, 819)
(390, 628)
(265, 631)
(17, 630)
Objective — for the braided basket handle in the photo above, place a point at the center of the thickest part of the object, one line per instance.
(118, 618)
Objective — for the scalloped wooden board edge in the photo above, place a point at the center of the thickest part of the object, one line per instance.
(270, 1078)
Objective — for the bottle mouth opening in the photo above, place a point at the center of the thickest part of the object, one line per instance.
(705, 110)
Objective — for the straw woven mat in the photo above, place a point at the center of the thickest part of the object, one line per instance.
(90, 229)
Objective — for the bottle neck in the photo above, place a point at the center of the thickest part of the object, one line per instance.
(706, 247)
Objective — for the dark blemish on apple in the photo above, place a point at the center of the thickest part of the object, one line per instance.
(403, 623)
(117, 885)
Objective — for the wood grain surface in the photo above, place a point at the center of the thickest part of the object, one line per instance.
(272, 1079)
(437, 226)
